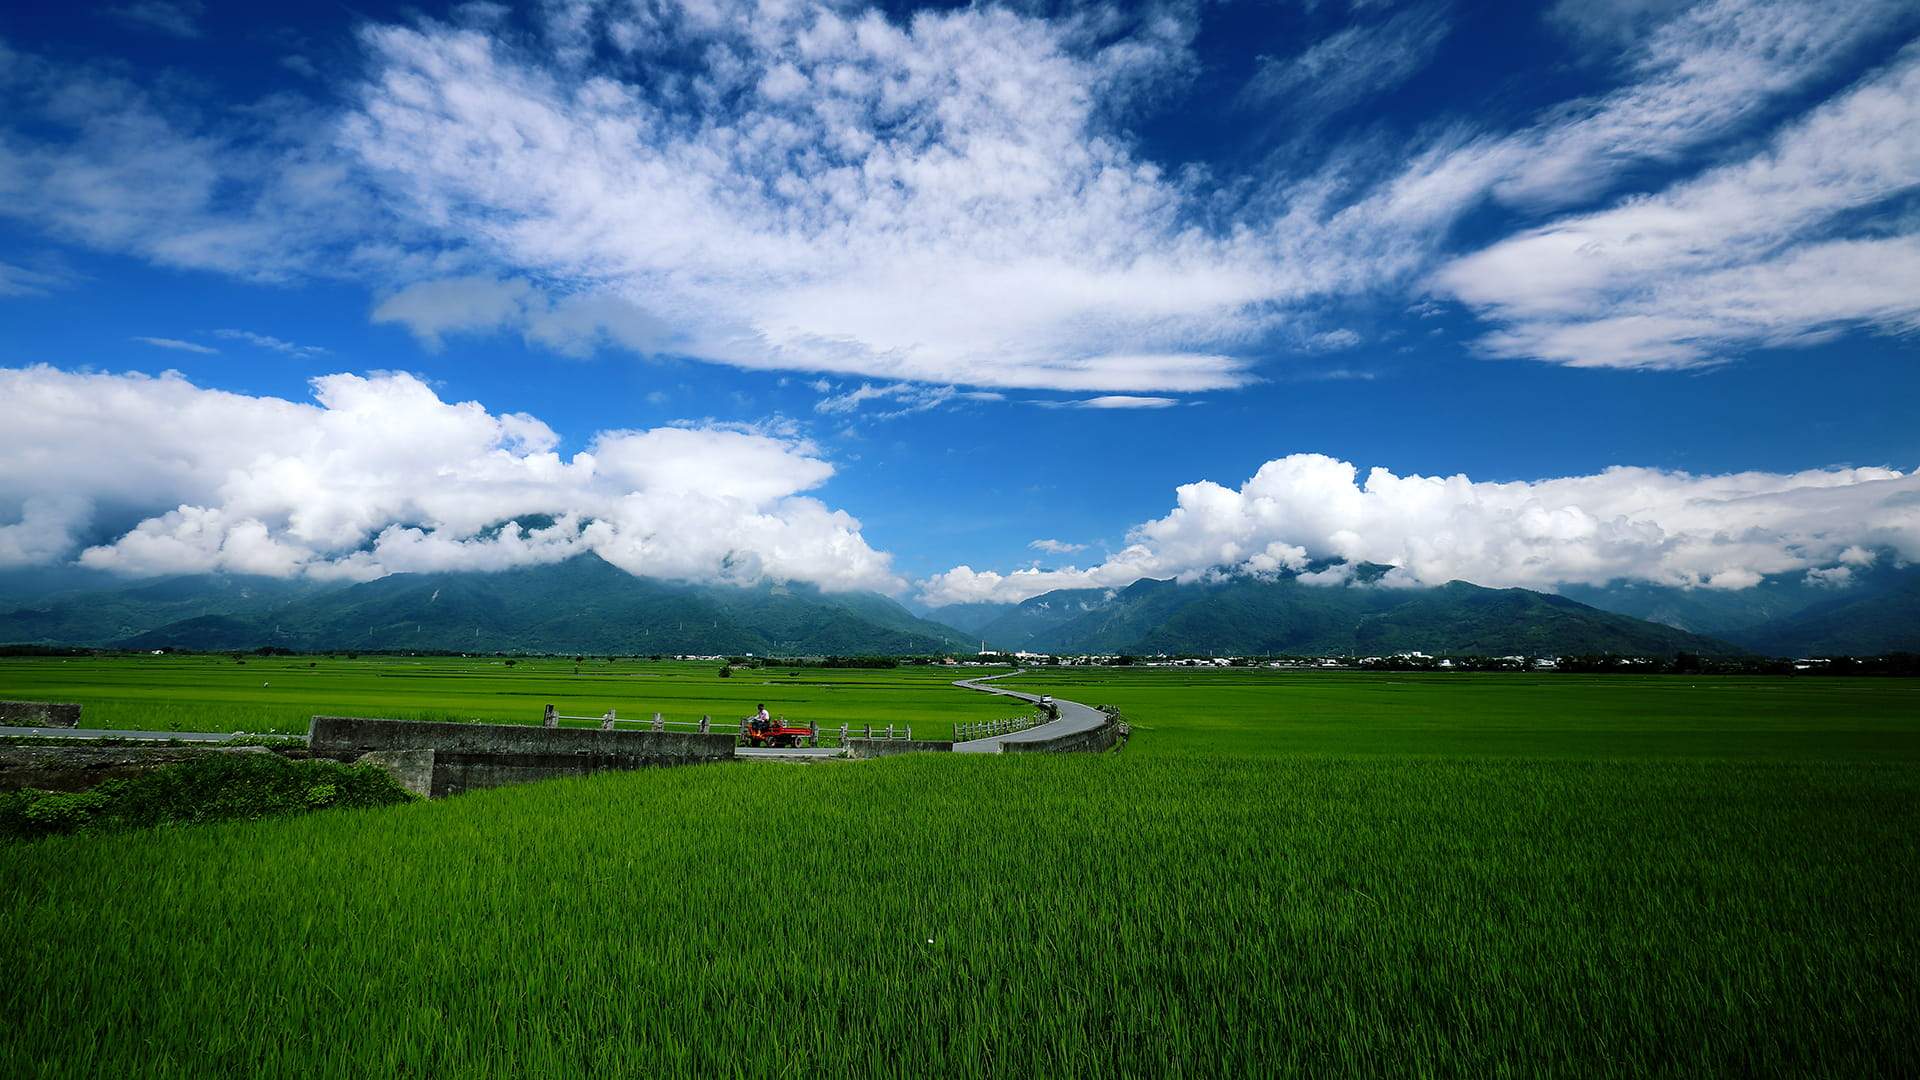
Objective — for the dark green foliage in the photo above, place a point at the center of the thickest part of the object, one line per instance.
(217, 787)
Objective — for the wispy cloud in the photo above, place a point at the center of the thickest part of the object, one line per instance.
(176, 344)
(1346, 67)
(1333, 340)
(1056, 547)
(952, 201)
(28, 281)
(265, 341)
(1746, 254)
(901, 399)
(180, 19)
(1112, 401)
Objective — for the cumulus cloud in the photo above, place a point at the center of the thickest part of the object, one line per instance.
(1670, 528)
(377, 475)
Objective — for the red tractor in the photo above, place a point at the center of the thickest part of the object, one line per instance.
(774, 733)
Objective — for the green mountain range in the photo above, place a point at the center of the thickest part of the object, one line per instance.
(1875, 609)
(1283, 615)
(581, 605)
(586, 605)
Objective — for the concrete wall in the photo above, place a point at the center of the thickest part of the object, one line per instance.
(411, 769)
(470, 756)
(77, 768)
(873, 748)
(1103, 738)
(38, 714)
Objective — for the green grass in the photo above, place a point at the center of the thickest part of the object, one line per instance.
(1334, 874)
(282, 694)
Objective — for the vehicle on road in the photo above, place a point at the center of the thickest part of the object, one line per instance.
(771, 732)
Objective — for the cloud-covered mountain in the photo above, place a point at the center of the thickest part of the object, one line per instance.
(1315, 514)
(583, 604)
(1850, 611)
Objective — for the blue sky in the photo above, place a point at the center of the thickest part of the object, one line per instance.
(885, 297)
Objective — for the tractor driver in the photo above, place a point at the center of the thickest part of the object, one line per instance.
(762, 720)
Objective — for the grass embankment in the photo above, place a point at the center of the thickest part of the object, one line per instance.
(1253, 885)
(215, 787)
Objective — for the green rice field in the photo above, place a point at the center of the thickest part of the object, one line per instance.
(1317, 872)
(277, 694)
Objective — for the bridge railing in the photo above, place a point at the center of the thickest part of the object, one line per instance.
(816, 735)
(987, 729)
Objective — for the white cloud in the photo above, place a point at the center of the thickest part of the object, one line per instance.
(954, 199)
(1736, 257)
(1670, 528)
(943, 205)
(431, 309)
(1695, 76)
(379, 475)
(575, 325)
(1112, 401)
(1346, 67)
(181, 19)
(264, 341)
(257, 190)
(1056, 547)
(177, 345)
(27, 281)
(1334, 340)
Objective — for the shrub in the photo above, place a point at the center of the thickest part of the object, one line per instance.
(216, 787)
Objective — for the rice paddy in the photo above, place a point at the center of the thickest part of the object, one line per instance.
(1326, 873)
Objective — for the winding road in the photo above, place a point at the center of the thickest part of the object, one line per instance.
(1074, 717)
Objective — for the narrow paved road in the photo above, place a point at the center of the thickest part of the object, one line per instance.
(1074, 717)
(786, 751)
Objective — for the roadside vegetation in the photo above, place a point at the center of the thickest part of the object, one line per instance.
(1385, 875)
(215, 787)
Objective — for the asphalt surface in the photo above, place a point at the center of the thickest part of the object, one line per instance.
(1074, 718)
